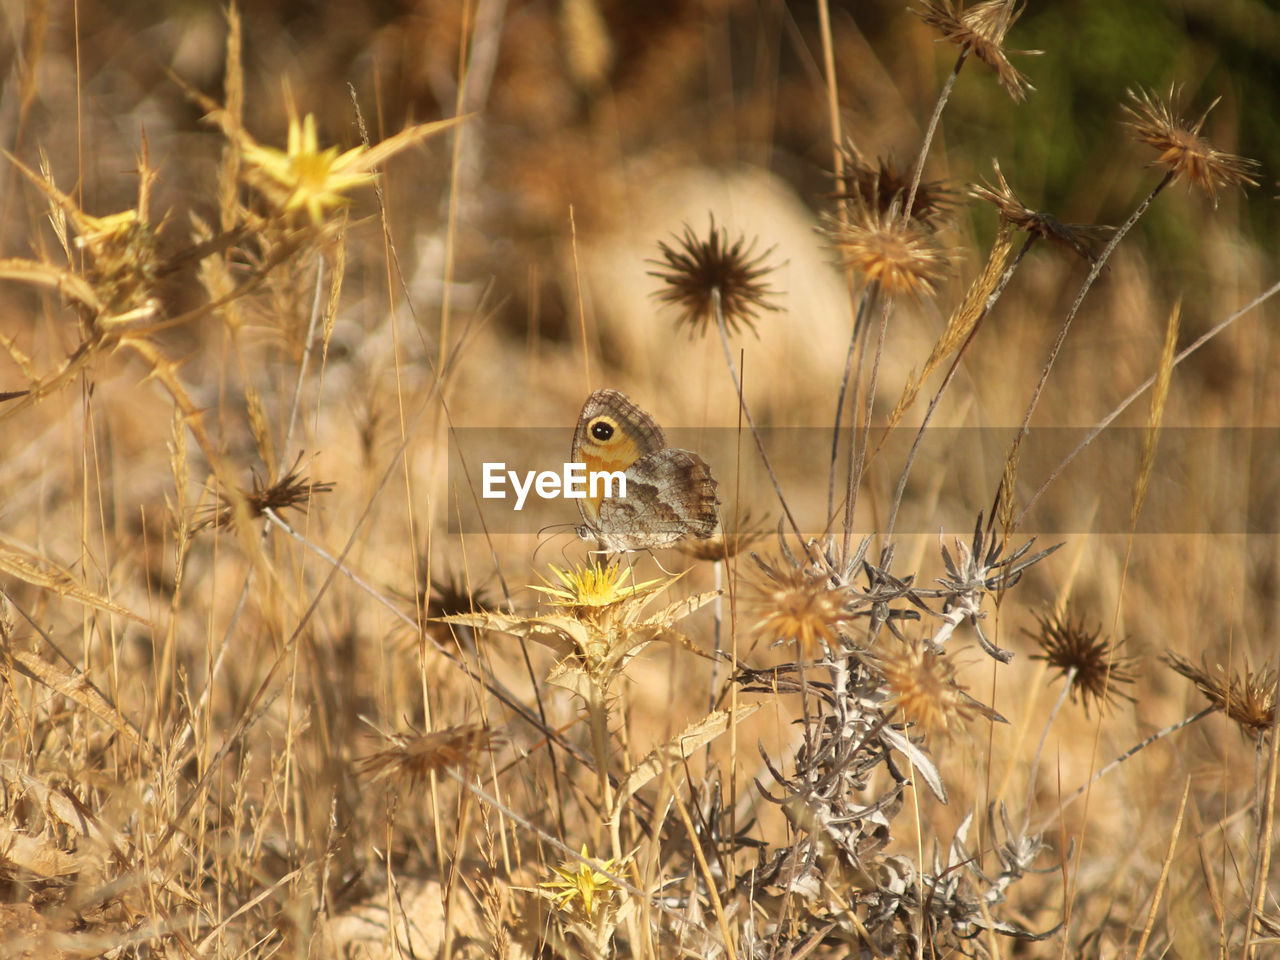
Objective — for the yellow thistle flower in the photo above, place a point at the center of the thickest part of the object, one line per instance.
(315, 179)
(595, 586)
(580, 887)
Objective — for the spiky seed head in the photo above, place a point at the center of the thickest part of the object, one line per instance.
(1097, 670)
(1155, 122)
(1076, 237)
(724, 546)
(922, 685)
(793, 606)
(884, 183)
(1248, 699)
(980, 30)
(900, 257)
(692, 268)
(412, 757)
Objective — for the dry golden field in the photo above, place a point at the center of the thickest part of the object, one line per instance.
(277, 681)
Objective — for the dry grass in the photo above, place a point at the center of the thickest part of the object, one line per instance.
(259, 697)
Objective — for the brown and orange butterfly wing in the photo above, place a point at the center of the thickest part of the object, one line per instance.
(671, 494)
(612, 434)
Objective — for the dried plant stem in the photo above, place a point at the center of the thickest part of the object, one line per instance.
(716, 905)
(491, 683)
(833, 92)
(1005, 277)
(681, 917)
(1262, 869)
(1140, 390)
(1094, 272)
(855, 336)
(929, 133)
(1164, 873)
(746, 412)
(860, 453)
(1142, 745)
(1067, 680)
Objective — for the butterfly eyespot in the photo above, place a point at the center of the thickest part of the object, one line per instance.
(602, 430)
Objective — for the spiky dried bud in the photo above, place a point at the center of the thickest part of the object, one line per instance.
(1183, 151)
(793, 606)
(412, 757)
(1093, 662)
(291, 490)
(899, 256)
(922, 686)
(1249, 700)
(692, 268)
(1077, 237)
(981, 30)
(724, 546)
(883, 183)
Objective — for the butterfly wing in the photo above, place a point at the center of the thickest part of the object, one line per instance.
(671, 496)
(612, 435)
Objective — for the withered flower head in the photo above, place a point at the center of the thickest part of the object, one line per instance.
(1187, 154)
(899, 257)
(724, 546)
(414, 756)
(981, 30)
(1092, 661)
(1249, 700)
(922, 685)
(794, 606)
(692, 268)
(884, 183)
(1076, 237)
(291, 490)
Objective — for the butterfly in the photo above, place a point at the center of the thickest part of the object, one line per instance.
(670, 493)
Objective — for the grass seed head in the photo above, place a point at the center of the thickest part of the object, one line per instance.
(1155, 122)
(693, 267)
(291, 490)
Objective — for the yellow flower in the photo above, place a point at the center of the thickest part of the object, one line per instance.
(595, 586)
(578, 881)
(314, 179)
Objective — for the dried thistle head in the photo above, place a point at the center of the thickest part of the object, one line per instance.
(981, 30)
(724, 546)
(1249, 700)
(1095, 668)
(792, 605)
(412, 757)
(1076, 237)
(692, 268)
(922, 685)
(900, 257)
(883, 183)
(291, 490)
(1183, 151)
(451, 594)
